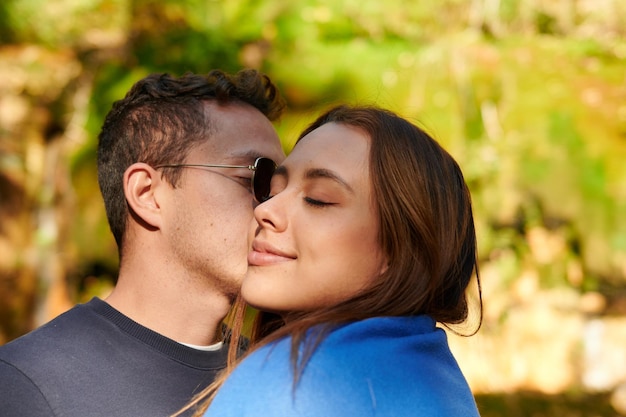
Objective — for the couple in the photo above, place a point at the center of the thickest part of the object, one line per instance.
(358, 243)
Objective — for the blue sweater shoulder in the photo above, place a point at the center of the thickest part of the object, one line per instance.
(383, 367)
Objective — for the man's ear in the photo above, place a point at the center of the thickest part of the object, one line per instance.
(141, 183)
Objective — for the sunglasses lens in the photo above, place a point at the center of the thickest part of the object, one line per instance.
(262, 178)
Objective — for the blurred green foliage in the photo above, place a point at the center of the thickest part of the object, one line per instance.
(529, 96)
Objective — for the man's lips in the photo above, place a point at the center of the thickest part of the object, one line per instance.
(263, 254)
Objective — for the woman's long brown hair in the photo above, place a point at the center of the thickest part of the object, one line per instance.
(426, 230)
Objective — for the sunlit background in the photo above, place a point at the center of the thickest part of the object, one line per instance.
(528, 95)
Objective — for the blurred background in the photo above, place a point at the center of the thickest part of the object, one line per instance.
(528, 95)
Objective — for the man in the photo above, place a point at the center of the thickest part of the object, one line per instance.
(178, 160)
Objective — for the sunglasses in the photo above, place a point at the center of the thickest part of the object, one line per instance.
(262, 172)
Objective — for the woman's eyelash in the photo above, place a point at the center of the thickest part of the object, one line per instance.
(316, 203)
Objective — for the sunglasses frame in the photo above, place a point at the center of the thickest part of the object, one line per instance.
(260, 195)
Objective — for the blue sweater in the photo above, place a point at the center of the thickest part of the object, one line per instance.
(383, 367)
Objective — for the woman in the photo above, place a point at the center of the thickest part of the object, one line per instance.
(367, 241)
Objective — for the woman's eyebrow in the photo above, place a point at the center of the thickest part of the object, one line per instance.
(315, 173)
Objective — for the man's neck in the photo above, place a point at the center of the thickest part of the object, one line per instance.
(186, 318)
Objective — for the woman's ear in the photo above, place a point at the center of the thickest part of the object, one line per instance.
(384, 265)
(141, 183)
(384, 268)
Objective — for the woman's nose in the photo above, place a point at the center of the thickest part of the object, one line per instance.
(271, 213)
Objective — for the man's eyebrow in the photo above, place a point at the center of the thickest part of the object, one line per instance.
(315, 173)
(281, 170)
(246, 155)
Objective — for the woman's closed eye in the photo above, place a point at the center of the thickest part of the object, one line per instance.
(317, 203)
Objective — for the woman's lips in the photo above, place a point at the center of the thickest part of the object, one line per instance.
(263, 254)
